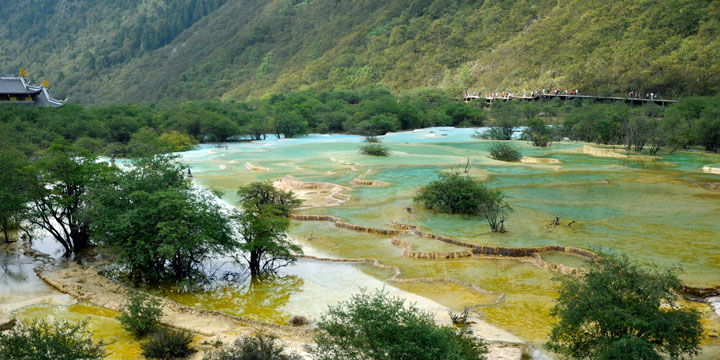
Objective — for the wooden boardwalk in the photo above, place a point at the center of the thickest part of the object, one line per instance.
(563, 97)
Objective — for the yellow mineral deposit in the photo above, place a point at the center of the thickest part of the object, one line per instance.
(594, 151)
(366, 231)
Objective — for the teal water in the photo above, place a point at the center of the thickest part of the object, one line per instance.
(653, 210)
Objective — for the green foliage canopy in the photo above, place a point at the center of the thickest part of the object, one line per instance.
(141, 315)
(58, 184)
(263, 224)
(379, 327)
(13, 192)
(260, 346)
(158, 226)
(456, 194)
(503, 151)
(620, 310)
(50, 341)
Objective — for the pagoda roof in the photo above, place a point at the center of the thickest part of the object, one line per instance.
(16, 85)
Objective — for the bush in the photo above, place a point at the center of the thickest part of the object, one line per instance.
(141, 315)
(456, 194)
(619, 310)
(259, 347)
(168, 344)
(504, 152)
(453, 194)
(376, 326)
(50, 341)
(538, 132)
(525, 355)
(374, 149)
(298, 320)
(494, 133)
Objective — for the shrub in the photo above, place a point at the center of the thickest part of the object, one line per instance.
(504, 152)
(50, 341)
(168, 344)
(374, 149)
(456, 194)
(259, 347)
(453, 194)
(298, 320)
(376, 326)
(525, 355)
(141, 315)
(620, 310)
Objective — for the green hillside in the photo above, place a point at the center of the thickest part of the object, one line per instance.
(146, 50)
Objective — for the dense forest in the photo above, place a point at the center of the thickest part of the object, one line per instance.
(145, 50)
(143, 129)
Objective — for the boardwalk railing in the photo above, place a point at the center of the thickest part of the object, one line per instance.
(544, 97)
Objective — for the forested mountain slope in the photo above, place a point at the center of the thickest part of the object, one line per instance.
(145, 50)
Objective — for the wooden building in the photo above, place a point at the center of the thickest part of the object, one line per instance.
(16, 90)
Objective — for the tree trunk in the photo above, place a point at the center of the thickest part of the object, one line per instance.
(80, 239)
(5, 231)
(254, 263)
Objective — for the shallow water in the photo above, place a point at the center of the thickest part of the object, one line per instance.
(31, 299)
(119, 344)
(18, 281)
(306, 288)
(641, 207)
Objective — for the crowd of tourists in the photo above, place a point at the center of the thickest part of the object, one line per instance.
(532, 94)
(639, 95)
(551, 92)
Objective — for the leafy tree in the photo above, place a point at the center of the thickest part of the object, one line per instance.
(175, 141)
(262, 226)
(707, 128)
(261, 346)
(143, 143)
(493, 209)
(58, 186)
(157, 225)
(50, 341)
(257, 127)
(465, 115)
(13, 192)
(456, 194)
(620, 310)
(256, 195)
(141, 315)
(504, 152)
(377, 125)
(290, 124)
(376, 326)
(538, 132)
(91, 145)
(504, 120)
(218, 128)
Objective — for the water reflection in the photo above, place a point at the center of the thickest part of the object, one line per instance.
(259, 298)
(638, 206)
